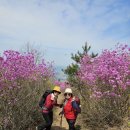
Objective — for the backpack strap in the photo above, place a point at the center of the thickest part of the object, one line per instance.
(75, 106)
(44, 108)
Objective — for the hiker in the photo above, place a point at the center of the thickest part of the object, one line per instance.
(70, 108)
(47, 109)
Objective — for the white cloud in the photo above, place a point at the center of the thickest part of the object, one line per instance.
(61, 24)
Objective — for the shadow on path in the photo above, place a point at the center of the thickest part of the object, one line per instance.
(58, 128)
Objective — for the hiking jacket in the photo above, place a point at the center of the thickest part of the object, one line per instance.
(70, 108)
(49, 104)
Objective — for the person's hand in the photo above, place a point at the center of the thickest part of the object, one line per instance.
(55, 98)
(73, 99)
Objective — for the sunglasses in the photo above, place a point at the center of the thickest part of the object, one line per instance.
(69, 94)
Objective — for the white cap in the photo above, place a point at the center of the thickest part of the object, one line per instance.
(68, 90)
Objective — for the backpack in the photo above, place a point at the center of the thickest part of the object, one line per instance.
(43, 98)
(77, 99)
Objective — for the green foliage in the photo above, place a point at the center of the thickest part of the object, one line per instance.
(73, 68)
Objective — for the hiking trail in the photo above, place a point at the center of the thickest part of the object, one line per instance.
(57, 118)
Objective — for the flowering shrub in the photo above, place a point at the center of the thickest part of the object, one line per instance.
(108, 74)
(15, 66)
(104, 84)
(63, 85)
(22, 82)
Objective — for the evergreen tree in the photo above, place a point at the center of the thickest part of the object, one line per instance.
(72, 69)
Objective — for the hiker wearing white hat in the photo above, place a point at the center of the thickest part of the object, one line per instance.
(70, 108)
(68, 90)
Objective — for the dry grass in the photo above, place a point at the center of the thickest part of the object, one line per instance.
(19, 107)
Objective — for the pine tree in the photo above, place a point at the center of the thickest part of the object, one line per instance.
(73, 68)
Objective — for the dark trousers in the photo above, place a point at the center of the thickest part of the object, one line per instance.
(71, 124)
(48, 121)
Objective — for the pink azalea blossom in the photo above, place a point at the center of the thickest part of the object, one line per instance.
(110, 71)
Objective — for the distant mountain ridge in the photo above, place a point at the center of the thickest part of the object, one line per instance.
(60, 74)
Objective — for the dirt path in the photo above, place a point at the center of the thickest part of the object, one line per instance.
(56, 123)
(57, 118)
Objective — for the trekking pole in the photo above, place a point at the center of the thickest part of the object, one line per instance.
(61, 121)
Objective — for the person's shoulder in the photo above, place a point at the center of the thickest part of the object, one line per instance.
(49, 96)
(73, 99)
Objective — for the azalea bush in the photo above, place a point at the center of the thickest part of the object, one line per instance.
(22, 82)
(63, 84)
(107, 74)
(106, 81)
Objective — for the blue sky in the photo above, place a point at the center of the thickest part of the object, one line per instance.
(60, 27)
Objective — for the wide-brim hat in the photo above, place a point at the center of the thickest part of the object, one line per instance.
(68, 90)
(57, 89)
